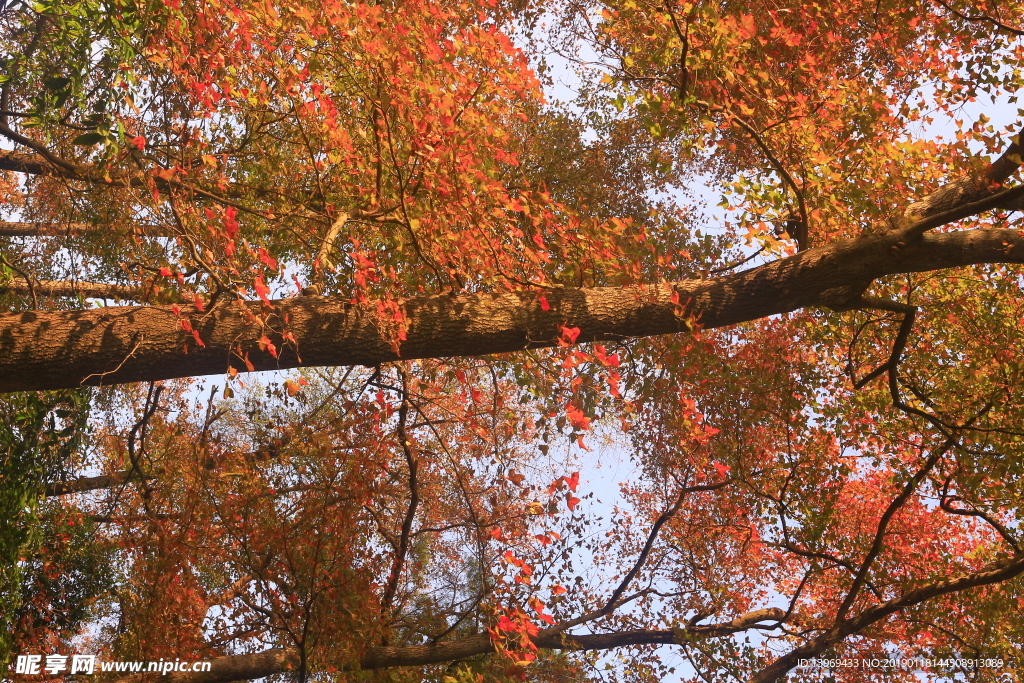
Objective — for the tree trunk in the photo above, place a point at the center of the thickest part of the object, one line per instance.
(64, 349)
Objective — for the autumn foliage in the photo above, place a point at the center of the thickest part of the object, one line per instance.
(678, 341)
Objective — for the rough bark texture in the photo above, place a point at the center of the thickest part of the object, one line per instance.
(63, 349)
(32, 164)
(966, 190)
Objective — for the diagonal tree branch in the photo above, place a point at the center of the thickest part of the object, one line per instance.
(63, 349)
(984, 18)
(414, 499)
(879, 541)
(279, 660)
(964, 193)
(995, 573)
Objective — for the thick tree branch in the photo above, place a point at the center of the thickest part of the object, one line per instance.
(37, 164)
(63, 349)
(961, 194)
(278, 660)
(106, 481)
(233, 668)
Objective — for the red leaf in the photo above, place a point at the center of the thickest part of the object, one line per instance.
(748, 29)
(613, 384)
(570, 334)
(267, 345)
(577, 418)
(262, 290)
(230, 224)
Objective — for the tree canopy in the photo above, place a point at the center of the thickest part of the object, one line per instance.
(764, 257)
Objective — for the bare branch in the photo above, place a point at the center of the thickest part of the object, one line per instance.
(883, 524)
(984, 18)
(86, 290)
(414, 499)
(106, 481)
(323, 255)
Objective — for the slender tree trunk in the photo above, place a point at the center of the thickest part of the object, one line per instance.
(88, 290)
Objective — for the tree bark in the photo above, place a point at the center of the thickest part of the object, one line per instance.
(233, 668)
(64, 349)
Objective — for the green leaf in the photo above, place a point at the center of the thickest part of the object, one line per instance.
(89, 139)
(56, 83)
